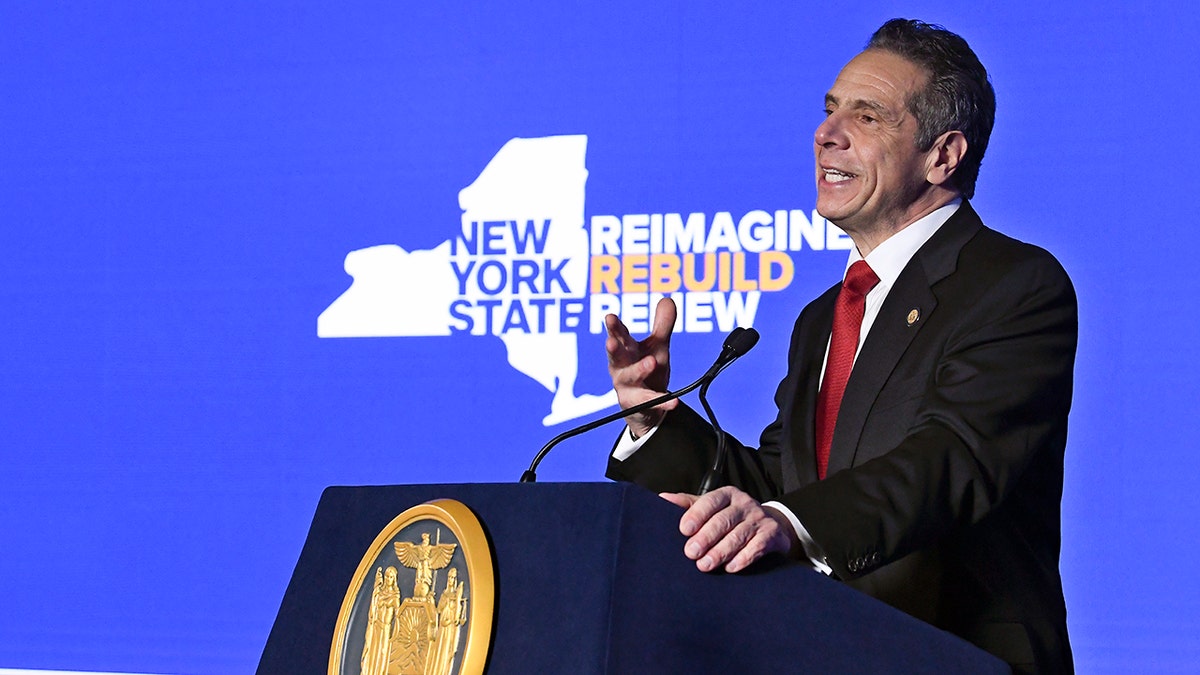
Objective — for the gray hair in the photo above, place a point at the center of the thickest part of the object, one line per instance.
(958, 96)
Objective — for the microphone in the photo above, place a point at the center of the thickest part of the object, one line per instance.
(738, 342)
(713, 479)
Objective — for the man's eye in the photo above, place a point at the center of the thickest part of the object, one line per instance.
(868, 119)
(828, 112)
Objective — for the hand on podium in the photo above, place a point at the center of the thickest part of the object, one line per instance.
(729, 528)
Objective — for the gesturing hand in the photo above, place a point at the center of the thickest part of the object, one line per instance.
(729, 527)
(640, 370)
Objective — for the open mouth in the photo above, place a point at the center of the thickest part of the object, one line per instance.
(835, 176)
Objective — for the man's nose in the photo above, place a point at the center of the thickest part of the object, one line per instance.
(830, 132)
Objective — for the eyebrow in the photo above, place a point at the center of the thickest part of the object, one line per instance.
(861, 104)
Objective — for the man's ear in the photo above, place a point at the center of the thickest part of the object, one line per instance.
(945, 156)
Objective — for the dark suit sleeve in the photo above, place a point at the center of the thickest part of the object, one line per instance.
(683, 447)
(990, 424)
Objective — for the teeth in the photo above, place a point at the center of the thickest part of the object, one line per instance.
(835, 176)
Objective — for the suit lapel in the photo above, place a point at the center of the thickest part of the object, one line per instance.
(892, 332)
(813, 339)
(889, 338)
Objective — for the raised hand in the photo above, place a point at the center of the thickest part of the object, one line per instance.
(640, 370)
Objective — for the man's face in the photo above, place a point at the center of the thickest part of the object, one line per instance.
(870, 174)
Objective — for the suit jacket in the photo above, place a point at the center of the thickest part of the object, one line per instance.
(945, 475)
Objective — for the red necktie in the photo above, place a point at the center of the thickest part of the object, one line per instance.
(847, 322)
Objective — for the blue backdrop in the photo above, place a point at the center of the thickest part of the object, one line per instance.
(183, 185)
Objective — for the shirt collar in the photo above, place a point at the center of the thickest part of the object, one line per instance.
(889, 258)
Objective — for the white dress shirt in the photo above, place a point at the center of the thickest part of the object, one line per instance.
(887, 260)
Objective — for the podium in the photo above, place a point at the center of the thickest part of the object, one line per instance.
(591, 578)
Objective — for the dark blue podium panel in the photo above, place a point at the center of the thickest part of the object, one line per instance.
(591, 578)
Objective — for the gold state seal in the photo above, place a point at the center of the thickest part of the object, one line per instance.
(439, 551)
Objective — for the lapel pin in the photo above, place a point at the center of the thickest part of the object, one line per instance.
(914, 315)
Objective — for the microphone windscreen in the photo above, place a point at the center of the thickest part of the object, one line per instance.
(742, 340)
(731, 339)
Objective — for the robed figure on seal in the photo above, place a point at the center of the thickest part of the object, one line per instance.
(451, 615)
(377, 643)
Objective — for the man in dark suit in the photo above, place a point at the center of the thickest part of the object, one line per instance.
(917, 452)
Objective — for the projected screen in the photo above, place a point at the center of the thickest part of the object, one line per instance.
(254, 250)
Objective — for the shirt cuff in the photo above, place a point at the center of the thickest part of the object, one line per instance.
(811, 550)
(627, 445)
